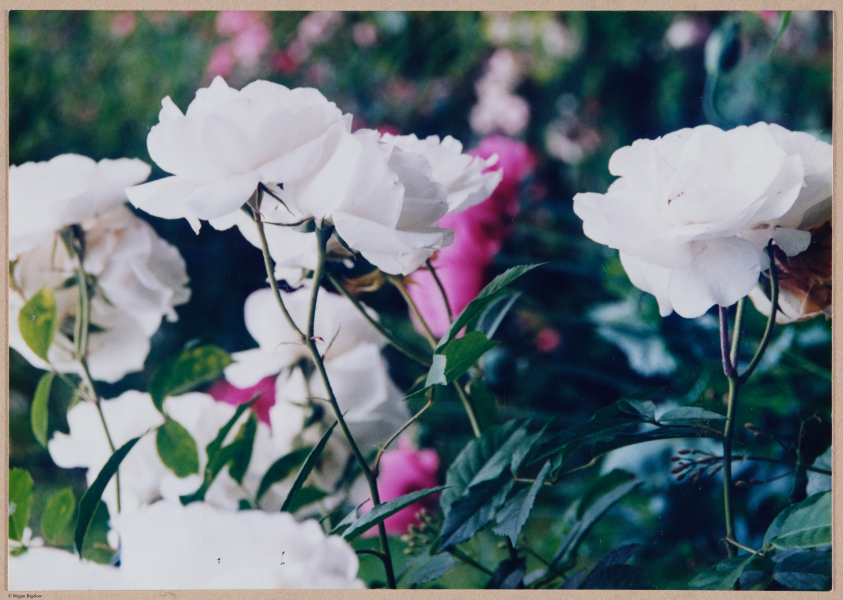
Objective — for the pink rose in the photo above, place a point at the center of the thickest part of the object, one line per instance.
(221, 62)
(230, 22)
(222, 391)
(479, 235)
(401, 472)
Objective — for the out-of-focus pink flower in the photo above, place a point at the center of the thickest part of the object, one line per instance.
(403, 471)
(222, 391)
(222, 61)
(547, 340)
(365, 34)
(285, 63)
(319, 26)
(479, 235)
(231, 22)
(250, 43)
(122, 24)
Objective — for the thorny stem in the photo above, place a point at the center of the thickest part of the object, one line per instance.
(322, 236)
(402, 429)
(729, 356)
(390, 337)
(441, 289)
(81, 332)
(256, 215)
(398, 282)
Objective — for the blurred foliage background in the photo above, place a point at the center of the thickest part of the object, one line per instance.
(575, 87)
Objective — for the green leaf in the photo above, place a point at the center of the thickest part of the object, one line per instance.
(690, 413)
(218, 456)
(37, 322)
(40, 408)
(457, 357)
(57, 514)
(20, 502)
(238, 454)
(475, 509)
(306, 468)
(508, 575)
(644, 409)
(484, 404)
(597, 500)
(383, 511)
(612, 572)
(488, 321)
(177, 448)
(782, 28)
(503, 456)
(496, 289)
(723, 575)
(307, 495)
(191, 368)
(282, 468)
(91, 498)
(807, 570)
(430, 568)
(807, 524)
(348, 520)
(471, 459)
(513, 515)
(618, 577)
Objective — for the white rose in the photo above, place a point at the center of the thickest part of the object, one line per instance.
(198, 546)
(53, 569)
(383, 201)
(143, 476)
(461, 174)
(356, 370)
(46, 196)
(139, 279)
(693, 211)
(229, 141)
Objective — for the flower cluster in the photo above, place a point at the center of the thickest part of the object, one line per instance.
(383, 196)
(136, 277)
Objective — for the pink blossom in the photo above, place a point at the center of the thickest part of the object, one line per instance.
(250, 43)
(403, 471)
(547, 340)
(479, 235)
(231, 22)
(122, 24)
(222, 61)
(285, 63)
(222, 391)
(365, 34)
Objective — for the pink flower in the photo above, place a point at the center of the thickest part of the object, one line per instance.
(547, 340)
(250, 43)
(221, 62)
(231, 22)
(365, 34)
(285, 63)
(403, 471)
(122, 24)
(479, 235)
(222, 391)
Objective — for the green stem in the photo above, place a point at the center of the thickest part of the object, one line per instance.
(468, 560)
(89, 382)
(441, 289)
(771, 321)
(728, 433)
(256, 215)
(731, 542)
(390, 337)
(469, 408)
(398, 282)
(737, 332)
(322, 236)
(401, 430)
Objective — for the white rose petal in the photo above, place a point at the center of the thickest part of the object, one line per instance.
(170, 546)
